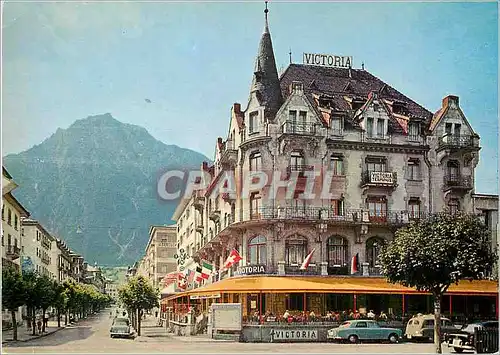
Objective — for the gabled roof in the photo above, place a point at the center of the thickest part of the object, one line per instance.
(342, 83)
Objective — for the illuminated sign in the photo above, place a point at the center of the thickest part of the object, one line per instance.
(293, 334)
(327, 60)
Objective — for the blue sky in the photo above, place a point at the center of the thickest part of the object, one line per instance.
(66, 61)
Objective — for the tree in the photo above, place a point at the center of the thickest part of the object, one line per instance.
(13, 294)
(32, 294)
(437, 252)
(60, 300)
(138, 295)
(46, 294)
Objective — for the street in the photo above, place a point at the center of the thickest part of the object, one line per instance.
(92, 336)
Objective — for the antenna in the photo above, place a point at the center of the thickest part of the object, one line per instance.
(362, 65)
(290, 53)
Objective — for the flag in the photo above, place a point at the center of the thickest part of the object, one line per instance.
(307, 260)
(354, 264)
(170, 278)
(198, 274)
(206, 270)
(233, 258)
(190, 276)
(181, 281)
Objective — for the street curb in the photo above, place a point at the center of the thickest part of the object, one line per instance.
(30, 339)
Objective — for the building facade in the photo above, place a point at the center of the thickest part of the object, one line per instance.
(63, 257)
(41, 247)
(159, 255)
(377, 160)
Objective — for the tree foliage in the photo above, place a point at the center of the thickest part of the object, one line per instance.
(13, 294)
(434, 253)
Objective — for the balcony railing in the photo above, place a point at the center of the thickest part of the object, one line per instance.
(458, 141)
(295, 270)
(457, 181)
(374, 271)
(299, 168)
(379, 178)
(313, 213)
(290, 127)
(13, 251)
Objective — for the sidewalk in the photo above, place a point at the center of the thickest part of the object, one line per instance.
(24, 335)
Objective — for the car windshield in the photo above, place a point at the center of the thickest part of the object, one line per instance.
(121, 322)
(345, 325)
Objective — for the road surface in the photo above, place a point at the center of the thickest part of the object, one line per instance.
(92, 336)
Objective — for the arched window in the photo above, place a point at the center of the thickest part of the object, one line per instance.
(373, 247)
(257, 253)
(337, 251)
(295, 249)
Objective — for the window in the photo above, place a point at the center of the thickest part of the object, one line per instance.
(337, 127)
(457, 129)
(380, 128)
(302, 119)
(3, 241)
(292, 116)
(375, 164)
(337, 165)
(337, 207)
(453, 170)
(413, 131)
(373, 247)
(337, 251)
(16, 222)
(296, 160)
(414, 208)
(255, 205)
(255, 161)
(3, 212)
(9, 217)
(361, 325)
(9, 240)
(447, 128)
(252, 122)
(454, 205)
(257, 250)
(369, 127)
(377, 208)
(37, 235)
(413, 169)
(295, 249)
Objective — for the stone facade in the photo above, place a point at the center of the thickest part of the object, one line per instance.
(386, 161)
(41, 246)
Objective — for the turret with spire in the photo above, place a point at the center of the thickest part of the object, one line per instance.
(265, 83)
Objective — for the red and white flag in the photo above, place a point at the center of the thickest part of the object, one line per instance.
(354, 264)
(233, 258)
(307, 260)
(181, 281)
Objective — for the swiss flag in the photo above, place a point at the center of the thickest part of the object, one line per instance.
(307, 260)
(233, 258)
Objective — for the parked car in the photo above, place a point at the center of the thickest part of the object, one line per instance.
(421, 327)
(121, 328)
(464, 338)
(356, 330)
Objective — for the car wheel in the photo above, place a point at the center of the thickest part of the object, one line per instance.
(458, 350)
(353, 338)
(393, 338)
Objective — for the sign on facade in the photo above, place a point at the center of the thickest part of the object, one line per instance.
(203, 297)
(251, 270)
(293, 334)
(327, 60)
(381, 177)
(226, 316)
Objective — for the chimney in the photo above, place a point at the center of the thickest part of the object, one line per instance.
(236, 108)
(450, 100)
(296, 87)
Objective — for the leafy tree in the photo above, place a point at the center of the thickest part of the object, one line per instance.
(32, 294)
(13, 294)
(138, 295)
(46, 294)
(60, 301)
(437, 252)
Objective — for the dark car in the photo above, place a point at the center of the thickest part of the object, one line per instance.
(121, 328)
(464, 338)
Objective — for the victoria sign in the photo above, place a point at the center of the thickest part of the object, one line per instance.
(327, 60)
(251, 270)
(289, 335)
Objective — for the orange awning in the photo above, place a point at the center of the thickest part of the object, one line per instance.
(322, 284)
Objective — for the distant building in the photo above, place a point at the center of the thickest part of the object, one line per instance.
(64, 267)
(94, 276)
(40, 245)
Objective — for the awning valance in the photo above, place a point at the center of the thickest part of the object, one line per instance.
(317, 284)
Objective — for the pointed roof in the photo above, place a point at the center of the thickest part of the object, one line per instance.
(265, 83)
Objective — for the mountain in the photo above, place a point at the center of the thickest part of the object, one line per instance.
(94, 185)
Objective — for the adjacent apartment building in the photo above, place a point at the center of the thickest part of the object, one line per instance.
(41, 247)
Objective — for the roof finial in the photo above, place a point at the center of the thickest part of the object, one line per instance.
(266, 29)
(290, 53)
(362, 65)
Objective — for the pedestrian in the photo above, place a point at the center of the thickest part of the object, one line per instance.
(156, 314)
(39, 326)
(46, 320)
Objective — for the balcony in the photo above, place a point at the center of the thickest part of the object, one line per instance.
(338, 270)
(214, 215)
(379, 179)
(450, 141)
(294, 269)
(374, 271)
(199, 228)
(298, 168)
(229, 154)
(198, 201)
(228, 197)
(457, 182)
(13, 252)
(290, 127)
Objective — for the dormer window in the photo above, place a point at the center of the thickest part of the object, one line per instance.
(413, 131)
(253, 122)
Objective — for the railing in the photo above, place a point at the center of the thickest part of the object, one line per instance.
(486, 340)
(299, 168)
(336, 132)
(295, 270)
(337, 270)
(415, 138)
(460, 141)
(314, 213)
(374, 271)
(459, 181)
(386, 178)
(13, 250)
(291, 127)
(376, 138)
